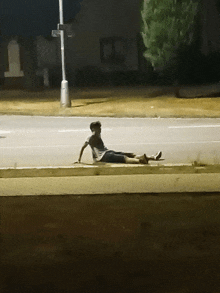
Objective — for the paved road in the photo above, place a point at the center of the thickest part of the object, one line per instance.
(56, 141)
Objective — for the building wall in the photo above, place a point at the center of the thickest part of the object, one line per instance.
(100, 29)
(17, 60)
(97, 19)
(12, 73)
(210, 27)
(48, 53)
(14, 60)
(2, 67)
(101, 19)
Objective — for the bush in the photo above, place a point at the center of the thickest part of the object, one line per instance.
(166, 25)
(89, 76)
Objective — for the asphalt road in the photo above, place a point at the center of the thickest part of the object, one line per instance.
(56, 141)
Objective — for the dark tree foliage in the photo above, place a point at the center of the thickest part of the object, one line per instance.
(167, 26)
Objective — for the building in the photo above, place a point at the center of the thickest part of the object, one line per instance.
(106, 36)
(23, 60)
(210, 27)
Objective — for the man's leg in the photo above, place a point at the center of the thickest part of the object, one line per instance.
(132, 160)
(120, 157)
(129, 155)
(113, 157)
(151, 158)
(155, 157)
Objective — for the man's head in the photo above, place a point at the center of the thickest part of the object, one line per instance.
(96, 127)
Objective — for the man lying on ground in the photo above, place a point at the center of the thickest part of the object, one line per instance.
(101, 154)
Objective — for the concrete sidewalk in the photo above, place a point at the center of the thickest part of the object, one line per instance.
(109, 179)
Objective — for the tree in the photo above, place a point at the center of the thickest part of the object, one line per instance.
(167, 25)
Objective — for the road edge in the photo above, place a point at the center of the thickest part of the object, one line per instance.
(109, 179)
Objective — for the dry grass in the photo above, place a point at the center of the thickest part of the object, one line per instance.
(113, 102)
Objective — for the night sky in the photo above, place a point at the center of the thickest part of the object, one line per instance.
(34, 17)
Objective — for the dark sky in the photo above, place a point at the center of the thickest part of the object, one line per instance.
(34, 17)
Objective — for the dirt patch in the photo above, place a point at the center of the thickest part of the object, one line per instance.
(127, 102)
(126, 243)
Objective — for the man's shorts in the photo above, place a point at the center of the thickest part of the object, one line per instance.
(113, 157)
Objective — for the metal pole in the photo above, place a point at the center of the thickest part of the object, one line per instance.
(65, 101)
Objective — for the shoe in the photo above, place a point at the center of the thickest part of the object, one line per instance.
(158, 156)
(143, 159)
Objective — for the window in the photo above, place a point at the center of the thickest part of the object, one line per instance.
(112, 50)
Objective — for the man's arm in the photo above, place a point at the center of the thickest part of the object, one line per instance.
(82, 150)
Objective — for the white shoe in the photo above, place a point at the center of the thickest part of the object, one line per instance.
(158, 156)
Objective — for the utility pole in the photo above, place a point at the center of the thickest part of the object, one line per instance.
(64, 100)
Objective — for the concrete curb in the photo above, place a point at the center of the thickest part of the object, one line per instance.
(109, 179)
(106, 169)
